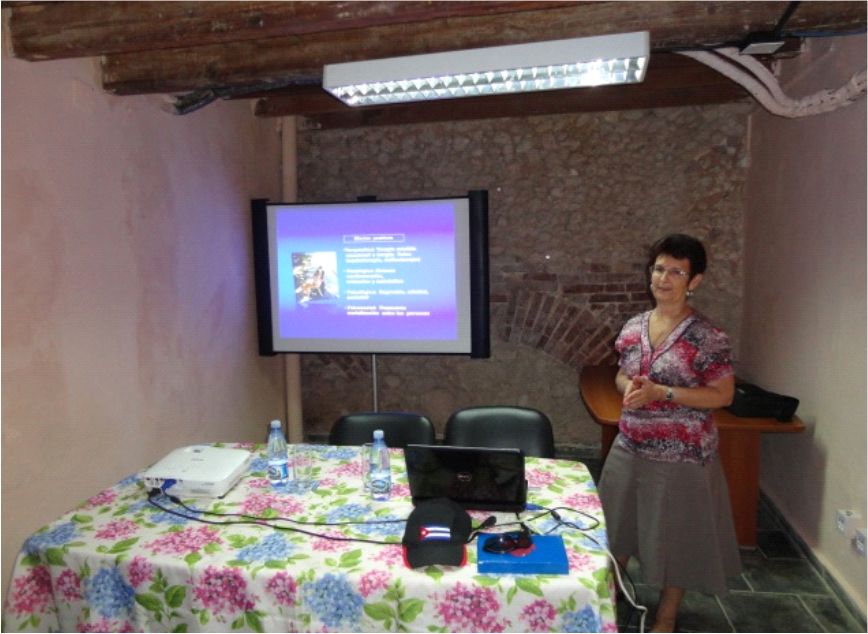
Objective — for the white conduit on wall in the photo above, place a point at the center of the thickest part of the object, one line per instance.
(764, 87)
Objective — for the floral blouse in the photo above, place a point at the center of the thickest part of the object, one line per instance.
(694, 354)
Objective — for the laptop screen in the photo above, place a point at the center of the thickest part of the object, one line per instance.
(474, 477)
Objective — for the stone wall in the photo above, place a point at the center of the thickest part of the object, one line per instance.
(574, 203)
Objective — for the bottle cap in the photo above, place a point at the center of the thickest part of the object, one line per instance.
(378, 434)
(275, 424)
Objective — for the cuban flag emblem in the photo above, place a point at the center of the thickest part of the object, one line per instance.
(434, 533)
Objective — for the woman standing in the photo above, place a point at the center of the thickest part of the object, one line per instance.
(662, 487)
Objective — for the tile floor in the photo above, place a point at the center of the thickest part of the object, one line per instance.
(779, 590)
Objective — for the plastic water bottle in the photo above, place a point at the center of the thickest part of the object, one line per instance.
(381, 473)
(278, 462)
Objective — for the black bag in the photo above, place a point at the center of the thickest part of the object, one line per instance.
(751, 401)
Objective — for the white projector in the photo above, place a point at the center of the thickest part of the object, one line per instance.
(198, 471)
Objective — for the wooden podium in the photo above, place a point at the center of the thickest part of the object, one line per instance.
(739, 445)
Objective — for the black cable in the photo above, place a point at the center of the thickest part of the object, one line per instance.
(791, 8)
(263, 522)
(281, 519)
(269, 522)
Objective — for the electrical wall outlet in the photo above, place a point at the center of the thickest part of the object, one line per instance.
(859, 541)
(846, 521)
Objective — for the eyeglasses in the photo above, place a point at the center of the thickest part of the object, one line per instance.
(508, 542)
(660, 270)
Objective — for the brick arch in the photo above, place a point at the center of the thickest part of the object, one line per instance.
(574, 333)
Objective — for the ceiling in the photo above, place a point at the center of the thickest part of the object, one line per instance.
(273, 52)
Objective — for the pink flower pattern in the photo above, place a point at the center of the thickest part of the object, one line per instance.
(284, 505)
(140, 571)
(330, 545)
(373, 581)
(189, 540)
(32, 593)
(224, 590)
(471, 609)
(400, 490)
(69, 585)
(227, 591)
(578, 561)
(539, 615)
(106, 497)
(391, 556)
(583, 501)
(105, 625)
(117, 529)
(283, 588)
(539, 478)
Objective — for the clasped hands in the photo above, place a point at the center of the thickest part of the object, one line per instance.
(640, 391)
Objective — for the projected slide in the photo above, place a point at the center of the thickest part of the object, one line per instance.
(371, 271)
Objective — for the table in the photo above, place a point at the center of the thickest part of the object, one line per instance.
(115, 563)
(739, 443)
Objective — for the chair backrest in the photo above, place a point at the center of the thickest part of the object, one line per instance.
(501, 426)
(399, 429)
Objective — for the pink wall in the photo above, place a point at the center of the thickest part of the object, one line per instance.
(128, 317)
(804, 320)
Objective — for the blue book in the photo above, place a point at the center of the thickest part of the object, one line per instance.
(547, 557)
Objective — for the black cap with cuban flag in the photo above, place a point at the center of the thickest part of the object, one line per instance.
(436, 533)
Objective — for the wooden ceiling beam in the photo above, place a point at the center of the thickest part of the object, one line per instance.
(53, 30)
(299, 59)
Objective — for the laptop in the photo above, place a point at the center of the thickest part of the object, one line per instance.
(475, 477)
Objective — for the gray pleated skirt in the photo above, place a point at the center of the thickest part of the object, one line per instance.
(674, 517)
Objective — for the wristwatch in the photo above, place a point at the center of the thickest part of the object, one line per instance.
(669, 394)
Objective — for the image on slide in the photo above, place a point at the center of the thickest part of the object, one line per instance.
(315, 276)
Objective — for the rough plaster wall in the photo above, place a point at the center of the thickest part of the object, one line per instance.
(128, 314)
(574, 202)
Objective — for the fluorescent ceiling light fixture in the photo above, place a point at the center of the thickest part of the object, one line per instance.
(572, 63)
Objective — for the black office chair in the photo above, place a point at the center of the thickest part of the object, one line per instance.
(399, 429)
(501, 426)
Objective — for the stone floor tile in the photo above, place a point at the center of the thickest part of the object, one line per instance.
(701, 613)
(766, 612)
(831, 614)
(795, 576)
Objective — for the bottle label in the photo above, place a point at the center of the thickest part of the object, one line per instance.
(381, 483)
(278, 471)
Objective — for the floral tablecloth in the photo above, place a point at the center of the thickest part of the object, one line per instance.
(116, 563)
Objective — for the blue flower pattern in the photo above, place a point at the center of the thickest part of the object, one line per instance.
(334, 602)
(109, 593)
(584, 620)
(327, 595)
(57, 536)
(272, 548)
(350, 512)
(340, 453)
(259, 463)
(383, 528)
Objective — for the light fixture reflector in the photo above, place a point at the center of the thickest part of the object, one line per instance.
(557, 64)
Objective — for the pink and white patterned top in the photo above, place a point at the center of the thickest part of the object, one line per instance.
(694, 354)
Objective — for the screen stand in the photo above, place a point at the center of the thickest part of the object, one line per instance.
(374, 381)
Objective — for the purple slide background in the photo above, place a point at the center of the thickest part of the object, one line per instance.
(429, 226)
